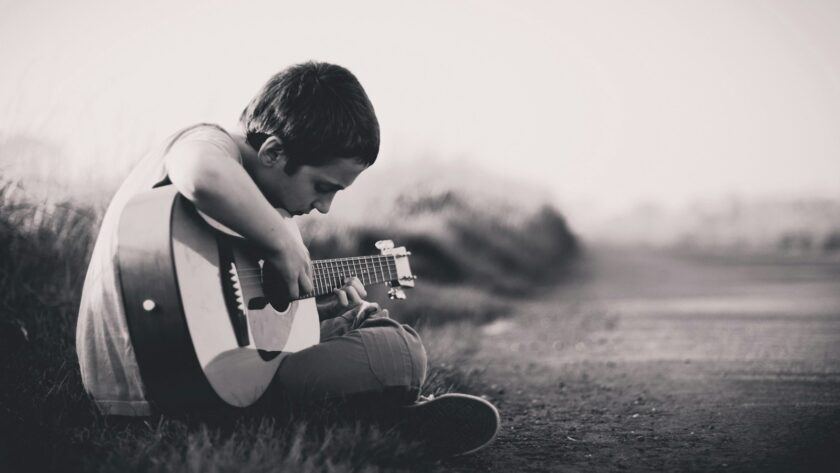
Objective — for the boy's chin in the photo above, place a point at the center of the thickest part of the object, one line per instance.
(286, 213)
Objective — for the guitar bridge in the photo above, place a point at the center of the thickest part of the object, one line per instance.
(232, 291)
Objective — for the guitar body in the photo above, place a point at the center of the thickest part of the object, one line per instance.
(203, 330)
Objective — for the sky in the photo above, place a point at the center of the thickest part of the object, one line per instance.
(605, 104)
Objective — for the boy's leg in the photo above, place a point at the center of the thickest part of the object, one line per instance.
(378, 370)
(380, 358)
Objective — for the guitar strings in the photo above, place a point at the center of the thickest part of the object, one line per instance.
(331, 278)
(331, 273)
(335, 278)
(334, 264)
(368, 269)
(333, 270)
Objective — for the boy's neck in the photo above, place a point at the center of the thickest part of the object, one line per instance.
(249, 155)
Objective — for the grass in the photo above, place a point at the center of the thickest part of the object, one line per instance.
(47, 423)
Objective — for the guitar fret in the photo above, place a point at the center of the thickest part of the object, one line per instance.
(325, 276)
(373, 269)
(325, 281)
(336, 274)
(315, 274)
(373, 266)
(319, 275)
(322, 276)
(356, 271)
(330, 274)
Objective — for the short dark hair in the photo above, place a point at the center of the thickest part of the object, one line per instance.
(318, 111)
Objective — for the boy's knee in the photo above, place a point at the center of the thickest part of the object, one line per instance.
(396, 355)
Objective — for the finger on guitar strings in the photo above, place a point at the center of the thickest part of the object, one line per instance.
(356, 284)
(342, 297)
(353, 297)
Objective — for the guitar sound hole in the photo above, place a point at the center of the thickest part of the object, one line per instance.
(279, 304)
(268, 355)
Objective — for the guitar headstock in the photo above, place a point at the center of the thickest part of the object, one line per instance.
(404, 277)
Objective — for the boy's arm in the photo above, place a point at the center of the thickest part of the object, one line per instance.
(221, 188)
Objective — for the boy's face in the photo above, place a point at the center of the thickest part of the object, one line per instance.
(310, 187)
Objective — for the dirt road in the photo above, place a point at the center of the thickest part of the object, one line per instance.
(653, 361)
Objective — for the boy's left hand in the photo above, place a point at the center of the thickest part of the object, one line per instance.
(347, 297)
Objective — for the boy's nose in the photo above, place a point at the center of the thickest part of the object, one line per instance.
(323, 205)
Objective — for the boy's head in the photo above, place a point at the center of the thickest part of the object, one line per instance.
(314, 131)
(317, 112)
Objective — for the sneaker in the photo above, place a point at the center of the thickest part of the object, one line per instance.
(451, 424)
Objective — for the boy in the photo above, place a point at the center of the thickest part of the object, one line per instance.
(305, 136)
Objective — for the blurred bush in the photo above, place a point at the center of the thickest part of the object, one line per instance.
(473, 254)
(455, 241)
(44, 249)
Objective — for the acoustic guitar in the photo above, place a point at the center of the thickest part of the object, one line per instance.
(207, 325)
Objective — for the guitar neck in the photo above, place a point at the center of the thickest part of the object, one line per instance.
(329, 274)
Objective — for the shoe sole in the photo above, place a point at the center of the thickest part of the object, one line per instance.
(453, 424)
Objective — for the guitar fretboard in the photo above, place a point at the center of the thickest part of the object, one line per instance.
(329, 274)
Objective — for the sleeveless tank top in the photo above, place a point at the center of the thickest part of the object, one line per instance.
(106, 357)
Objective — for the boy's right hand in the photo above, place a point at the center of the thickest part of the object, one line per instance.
(291, 261)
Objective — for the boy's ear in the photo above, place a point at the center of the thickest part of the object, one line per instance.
(271, 153)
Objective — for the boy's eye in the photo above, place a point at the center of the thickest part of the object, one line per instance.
(325, 188)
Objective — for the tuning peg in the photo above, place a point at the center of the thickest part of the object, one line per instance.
(384, 245)
(396, 293)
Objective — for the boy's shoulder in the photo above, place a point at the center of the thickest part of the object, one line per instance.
(208, 137)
